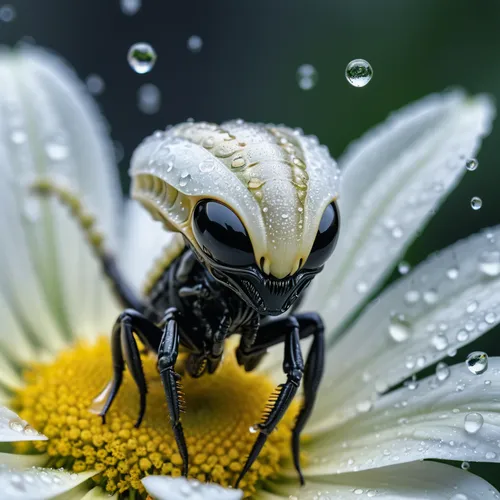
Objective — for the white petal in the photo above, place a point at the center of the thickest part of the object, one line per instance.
(412, 481)
(180, 488)
(394, 178)
(22, 461)
(367, 358)
(98, 493)
(50, 127)
(13, 428)
(453, 419)
(37, 483)
(145, 239)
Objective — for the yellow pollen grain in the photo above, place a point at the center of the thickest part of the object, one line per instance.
(221, 408)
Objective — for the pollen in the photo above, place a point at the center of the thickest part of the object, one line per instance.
(221, 410)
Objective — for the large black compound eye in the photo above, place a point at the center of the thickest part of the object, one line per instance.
(326, 239)
(221, 234)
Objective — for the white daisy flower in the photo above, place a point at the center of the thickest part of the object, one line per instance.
(364, 440)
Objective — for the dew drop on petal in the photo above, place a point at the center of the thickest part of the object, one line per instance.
(95, 84)
(439, 341)
(207, 165)
(442, 371)
(403, 267)
(307, 76)
(399, 329)
(476, 203)
(130, 7)
(149, 99)
(359, 72)
(489, 263)
(473, 422)
(471, 164)
(430, 297)
(141, 57)
(477, 362)
(452, 273)
(472, 306)
(412, 297)
(490, 455)
(364, 406)
(194, 44)
(16, 425)
(460, 496)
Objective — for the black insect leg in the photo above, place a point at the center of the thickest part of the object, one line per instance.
(167, 356)
(125, 352)
(293, 367)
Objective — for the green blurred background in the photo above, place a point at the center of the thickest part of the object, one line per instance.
(247, 69)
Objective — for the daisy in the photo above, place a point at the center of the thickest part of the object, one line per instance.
(365, 439)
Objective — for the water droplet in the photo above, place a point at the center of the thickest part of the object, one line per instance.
(473, 422)
(452, 273)
(207, 165)
(476, 203)
(477, 362)
(465, 465)
(471, 164)
(7, 13)
(141, 57)
(397, 232)
(462, 336)
(403, 267)
(238, 162)
(57, 149)
(412, 297)
(95, 84)
(358, 72)
(472, 306)
(490, 318)
(399, 329)
(183, 181)
(208, 143)
(30, 431)
(442, 371)
(255, 183)
(361, 287)
(364, 406)
(194, 44)
(284, 216)
(489, 263)
(130, 7)
(16, 480)
(16, 425)
(430, 297)
(253, 429)
(307, 76)
(149, 99)
(439, 341)
(18, 136)
(490, 455)
(460, 496)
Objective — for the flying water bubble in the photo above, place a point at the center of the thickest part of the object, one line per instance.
(476, 203)
(359, 72)
(141, 57)
(95, 84)
(130, 7)
(149, 99)
(7, 13)
(307, 76)
(194, 44)
(471, 164)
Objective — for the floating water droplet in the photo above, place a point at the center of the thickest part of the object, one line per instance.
(439, 341)
(471, 164)
(7, 13)
(359, 72)
(307, 76)
(194, 44)
(207, 165)
(130, 7)
(403, 267)
(95, 84)
(477, 362)
(489, 263)
(442, 371)
(452, 273)
(141, 57)
(476, 203)
(149, 99)
(473, 422)
(465, 465)
(399, 329)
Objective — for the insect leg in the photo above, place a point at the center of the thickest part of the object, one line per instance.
(279, 402)
(167, 356)
(125, 352)
(87, 224)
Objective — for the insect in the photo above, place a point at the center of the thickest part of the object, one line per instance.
(254, 209)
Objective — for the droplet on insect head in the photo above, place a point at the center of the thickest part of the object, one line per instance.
(7, 13)
(149, 99)
(471, 164)
(307, 76)
(477, 362)
(194, 44)
(403, 267)
(130, 7)
(476, 203)
(95, 84)
(359, 72)
(141, 57)
(473, 423)
(489, 263)
(399, 329)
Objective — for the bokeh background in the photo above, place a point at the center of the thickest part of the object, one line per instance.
(247, 69)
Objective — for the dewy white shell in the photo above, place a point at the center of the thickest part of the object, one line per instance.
(277, 180)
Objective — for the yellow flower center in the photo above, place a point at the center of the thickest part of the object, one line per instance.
(221, 409)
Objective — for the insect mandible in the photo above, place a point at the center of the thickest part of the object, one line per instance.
(254, 208)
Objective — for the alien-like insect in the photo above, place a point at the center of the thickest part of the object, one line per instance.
(255, 212)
